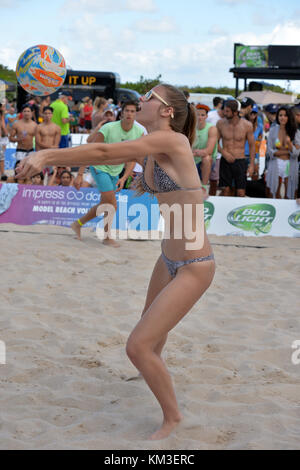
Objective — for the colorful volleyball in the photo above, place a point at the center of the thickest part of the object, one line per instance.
(41, 70)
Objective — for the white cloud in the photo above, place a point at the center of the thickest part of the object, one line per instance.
(200, 63)
(140, 5)
(87, 46)
(127, 36)
(10, 3)
(189, 63)
(165, 25)
(217, 30)
(287, 33)
(9, 54)
(233, 2)
(108, 6)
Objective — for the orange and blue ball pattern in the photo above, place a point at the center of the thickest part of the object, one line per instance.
(41, 70)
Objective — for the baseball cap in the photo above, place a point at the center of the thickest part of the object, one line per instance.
(246, 101)
(225, 103)
(65, 93)
(108, 110)
(254, 108)
(271, 108)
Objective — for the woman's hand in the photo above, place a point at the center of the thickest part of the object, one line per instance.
(32, 165)
(78, 181)
(281, 153)
(120, 184)
(99, 125)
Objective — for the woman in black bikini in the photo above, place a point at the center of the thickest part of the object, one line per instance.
(186, 267)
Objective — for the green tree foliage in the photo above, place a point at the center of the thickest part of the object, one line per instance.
(7, 74)
(143, 85)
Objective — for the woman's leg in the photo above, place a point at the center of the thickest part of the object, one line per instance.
(213, 184)
(206, 164)
(278, 195)
(167, 309)
(159, 280)
(285, 187)
(107, 197)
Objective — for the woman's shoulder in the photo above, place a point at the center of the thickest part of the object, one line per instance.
(170, 135)
(273, 132)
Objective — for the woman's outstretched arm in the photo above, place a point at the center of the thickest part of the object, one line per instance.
(101, 154)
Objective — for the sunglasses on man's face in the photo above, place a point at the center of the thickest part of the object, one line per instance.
(151, 93)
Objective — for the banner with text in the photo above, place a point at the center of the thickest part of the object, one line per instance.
(58, 205)
(252, 217)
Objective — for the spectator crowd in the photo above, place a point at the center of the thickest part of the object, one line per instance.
(230, 140)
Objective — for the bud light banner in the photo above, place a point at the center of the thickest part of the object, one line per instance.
(252, 217)
(251, 56)
(256, 218)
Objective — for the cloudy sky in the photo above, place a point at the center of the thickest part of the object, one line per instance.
(187, 42)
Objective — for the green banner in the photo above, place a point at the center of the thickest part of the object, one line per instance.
(255, 218)
(209, 210)
(251, 56)
(294, 220)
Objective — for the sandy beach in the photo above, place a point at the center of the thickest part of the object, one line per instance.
(67, 308)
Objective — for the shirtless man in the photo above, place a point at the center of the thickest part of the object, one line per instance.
(234, 132)
(47, 133)
(23, 132)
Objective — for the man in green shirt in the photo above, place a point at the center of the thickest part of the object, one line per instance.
(61, 117)
(107, 176)
(205, 147)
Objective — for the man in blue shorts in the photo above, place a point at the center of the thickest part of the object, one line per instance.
(107, 177)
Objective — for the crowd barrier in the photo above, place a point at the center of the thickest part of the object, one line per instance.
(140, 216)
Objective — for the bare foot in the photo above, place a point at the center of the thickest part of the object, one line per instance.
(165, 430)
(77, 229)
(111, 242)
